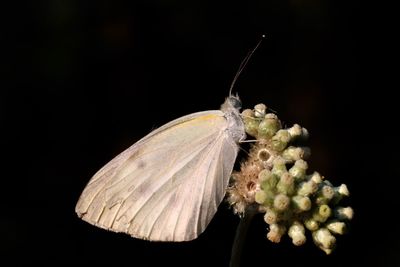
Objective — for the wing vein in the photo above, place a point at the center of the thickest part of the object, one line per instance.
(200, 206)
(152, 195)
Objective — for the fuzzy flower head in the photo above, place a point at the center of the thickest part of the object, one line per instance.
(275, 177)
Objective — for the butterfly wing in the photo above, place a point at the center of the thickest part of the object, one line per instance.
(168, 185)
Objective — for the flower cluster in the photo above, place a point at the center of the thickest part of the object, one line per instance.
(274, 178)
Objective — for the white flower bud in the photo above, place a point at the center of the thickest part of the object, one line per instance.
(343, 190)
(296, 232)
(276, 232)
(316, 178)
(295, 131)
(336, 227)
(327, 192)
(281, 202)
(302, 203)
(259, 110)
(270, 217)
(323, 238)
(344, 213)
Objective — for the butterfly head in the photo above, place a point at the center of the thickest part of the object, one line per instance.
(232, 102)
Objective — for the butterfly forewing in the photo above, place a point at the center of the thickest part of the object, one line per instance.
(167, 186)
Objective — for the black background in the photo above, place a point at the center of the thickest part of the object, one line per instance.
(83, 80)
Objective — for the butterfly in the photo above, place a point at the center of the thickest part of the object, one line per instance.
(169, 184)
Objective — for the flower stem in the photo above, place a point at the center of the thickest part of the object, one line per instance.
(240, 236)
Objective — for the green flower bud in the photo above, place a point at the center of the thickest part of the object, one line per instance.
(288, 196)
(279, 166)
(264, 175)
(268, 127)
(311, 224)
(251, 127)
(281, 202)
(286, 184)
(260, 197)
(280, 140)
(301, 203)
(250, 122)
(293, 153)
(247, 114)
(296, 232)
(267, 180)
(307, 188)
(325, 194)
(299, 169)
(336, 227)
(322, 213)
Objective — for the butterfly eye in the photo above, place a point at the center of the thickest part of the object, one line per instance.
(235, 102)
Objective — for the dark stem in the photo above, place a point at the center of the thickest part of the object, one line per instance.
(240, 236)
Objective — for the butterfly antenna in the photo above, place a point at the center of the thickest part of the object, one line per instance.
(244, 63)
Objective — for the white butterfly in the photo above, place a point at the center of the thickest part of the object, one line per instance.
(168, 185)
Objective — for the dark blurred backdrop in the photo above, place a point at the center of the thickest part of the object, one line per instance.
(83, 80)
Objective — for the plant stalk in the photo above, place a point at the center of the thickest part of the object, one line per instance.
(240, 237)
